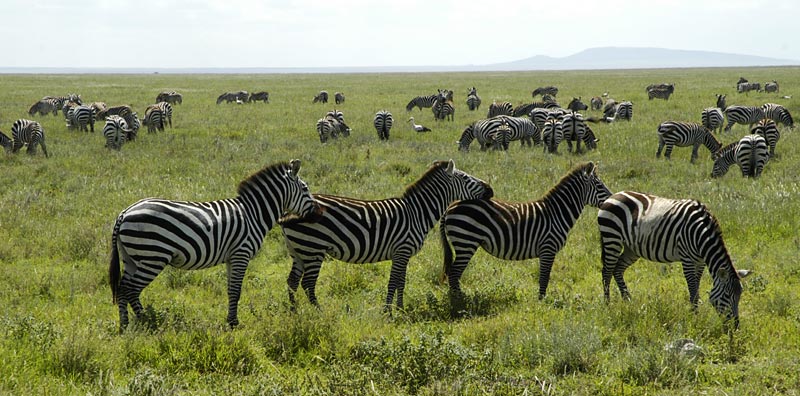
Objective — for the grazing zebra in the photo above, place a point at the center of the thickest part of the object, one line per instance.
(743, 115)
(27, 132)
(443, 108)
(154, 119)
(383, 124)
(771, 87)
(166, 110)
(549, 90)
(115, 132)
(332, 126)
(228, 97)
(663, 230)
(473, 100)
(322, 96)
(171, 97)
(154, 233)
(485, 132)
(769, 130)
(360, 231)
(552, 135)
(778, 113)
(574, 129)
(660, 93)
(98, 107)
(576, 105)
(741, 80)
(670, 87)
(746, 87)
(609, 108)
(45, 106)
(122, 111)
(501, 108)
(79, 117)
(255, 96)
(624, 111)
(133, 126)
(750, 153)
(684, 134)
(596, 102)
(60, 100)
(540, 115)
(525, 109)
(518, 231)
(721, 103)
(712, 119)
(421, 101)
(338, 97)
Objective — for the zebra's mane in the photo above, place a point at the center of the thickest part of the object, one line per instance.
(255, 179)
(413, 187)
(575, 172)
(728, 147)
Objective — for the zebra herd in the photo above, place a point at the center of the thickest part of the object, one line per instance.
(154, 233)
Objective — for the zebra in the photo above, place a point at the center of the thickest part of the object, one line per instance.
(473, 100)
(746, 87)
(383, 124)
(6, 142)
(132, 120)
(171, 97)
(540, 115)
(421, 101)
(79, 117)
(609, 108)
(743, 115)
(154, 233)
(485, 132)
(154, 119)
(576, 105)
(660, 93)
(634, 225)
(227, 97)
(750, 153)
(596, 103)
(769, 130)
(683, 134)
(771, 87)
(98, 107)
(115, 132)
(660, 86)
(721, 103)
(45, 106)
(548, 90)
(166, 111)
(338, 97)
(443, 107)
(60, 100)
(501, 108)
(525, 109)
(552, 135)
(122, 111)
(712, 119)
(322, 97)
(518, 231)
(255, 96)
(332, 126)
(27, 132)
(778, 113)
(361, 231)
(574, 129)
(624, 111)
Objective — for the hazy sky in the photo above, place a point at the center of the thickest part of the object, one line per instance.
(310, 33)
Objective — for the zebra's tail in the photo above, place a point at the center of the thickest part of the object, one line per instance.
(448, 252)
(113, 266)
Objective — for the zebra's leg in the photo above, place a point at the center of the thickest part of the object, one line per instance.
(692, 271)
(236, 269)
(660, 147)
(309, 279)
(668, 151)
(397, 278)
(545, 266)
(626, 260)
(611, 251)
(695, 149)
(464, 250)
(136, 277)
(293, 281)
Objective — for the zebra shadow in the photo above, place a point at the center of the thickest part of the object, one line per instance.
(485, 301)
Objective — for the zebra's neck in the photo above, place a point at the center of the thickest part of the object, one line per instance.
(261, 213)
(711, 142)
(428, 198)
(567, 197)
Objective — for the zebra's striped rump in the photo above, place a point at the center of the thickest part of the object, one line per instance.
(750, 153)
(712, 119)
(360, 231)
(154, 233)
(383, 124)
(769, 130)
(518, 231)
(634, 225)
(27, 132)
(115, 132)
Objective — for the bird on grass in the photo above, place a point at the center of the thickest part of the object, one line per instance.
(417, 127)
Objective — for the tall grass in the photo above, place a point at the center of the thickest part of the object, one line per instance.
(58, 325)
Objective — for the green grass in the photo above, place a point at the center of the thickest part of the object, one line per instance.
(58, 327)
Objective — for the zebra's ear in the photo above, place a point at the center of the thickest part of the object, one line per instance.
(295, 167)
(451, 167)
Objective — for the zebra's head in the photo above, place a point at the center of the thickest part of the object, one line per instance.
(298, 199)
(466, 186)
(726, 292)
(466, 138)
(576, 105)
(596, 191)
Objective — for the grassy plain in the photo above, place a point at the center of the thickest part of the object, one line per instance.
(58, 327)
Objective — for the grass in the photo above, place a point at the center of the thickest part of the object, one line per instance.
(58, 327)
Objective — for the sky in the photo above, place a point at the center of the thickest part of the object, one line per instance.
(374, 33)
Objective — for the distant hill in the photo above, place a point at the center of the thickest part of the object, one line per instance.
(593, 58)
(638, 58)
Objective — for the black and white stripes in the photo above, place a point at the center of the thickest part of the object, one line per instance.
(683, 134)
(750, 153)
(383, 124)
(30, 133)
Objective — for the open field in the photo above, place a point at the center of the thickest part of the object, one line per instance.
(58, 326)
